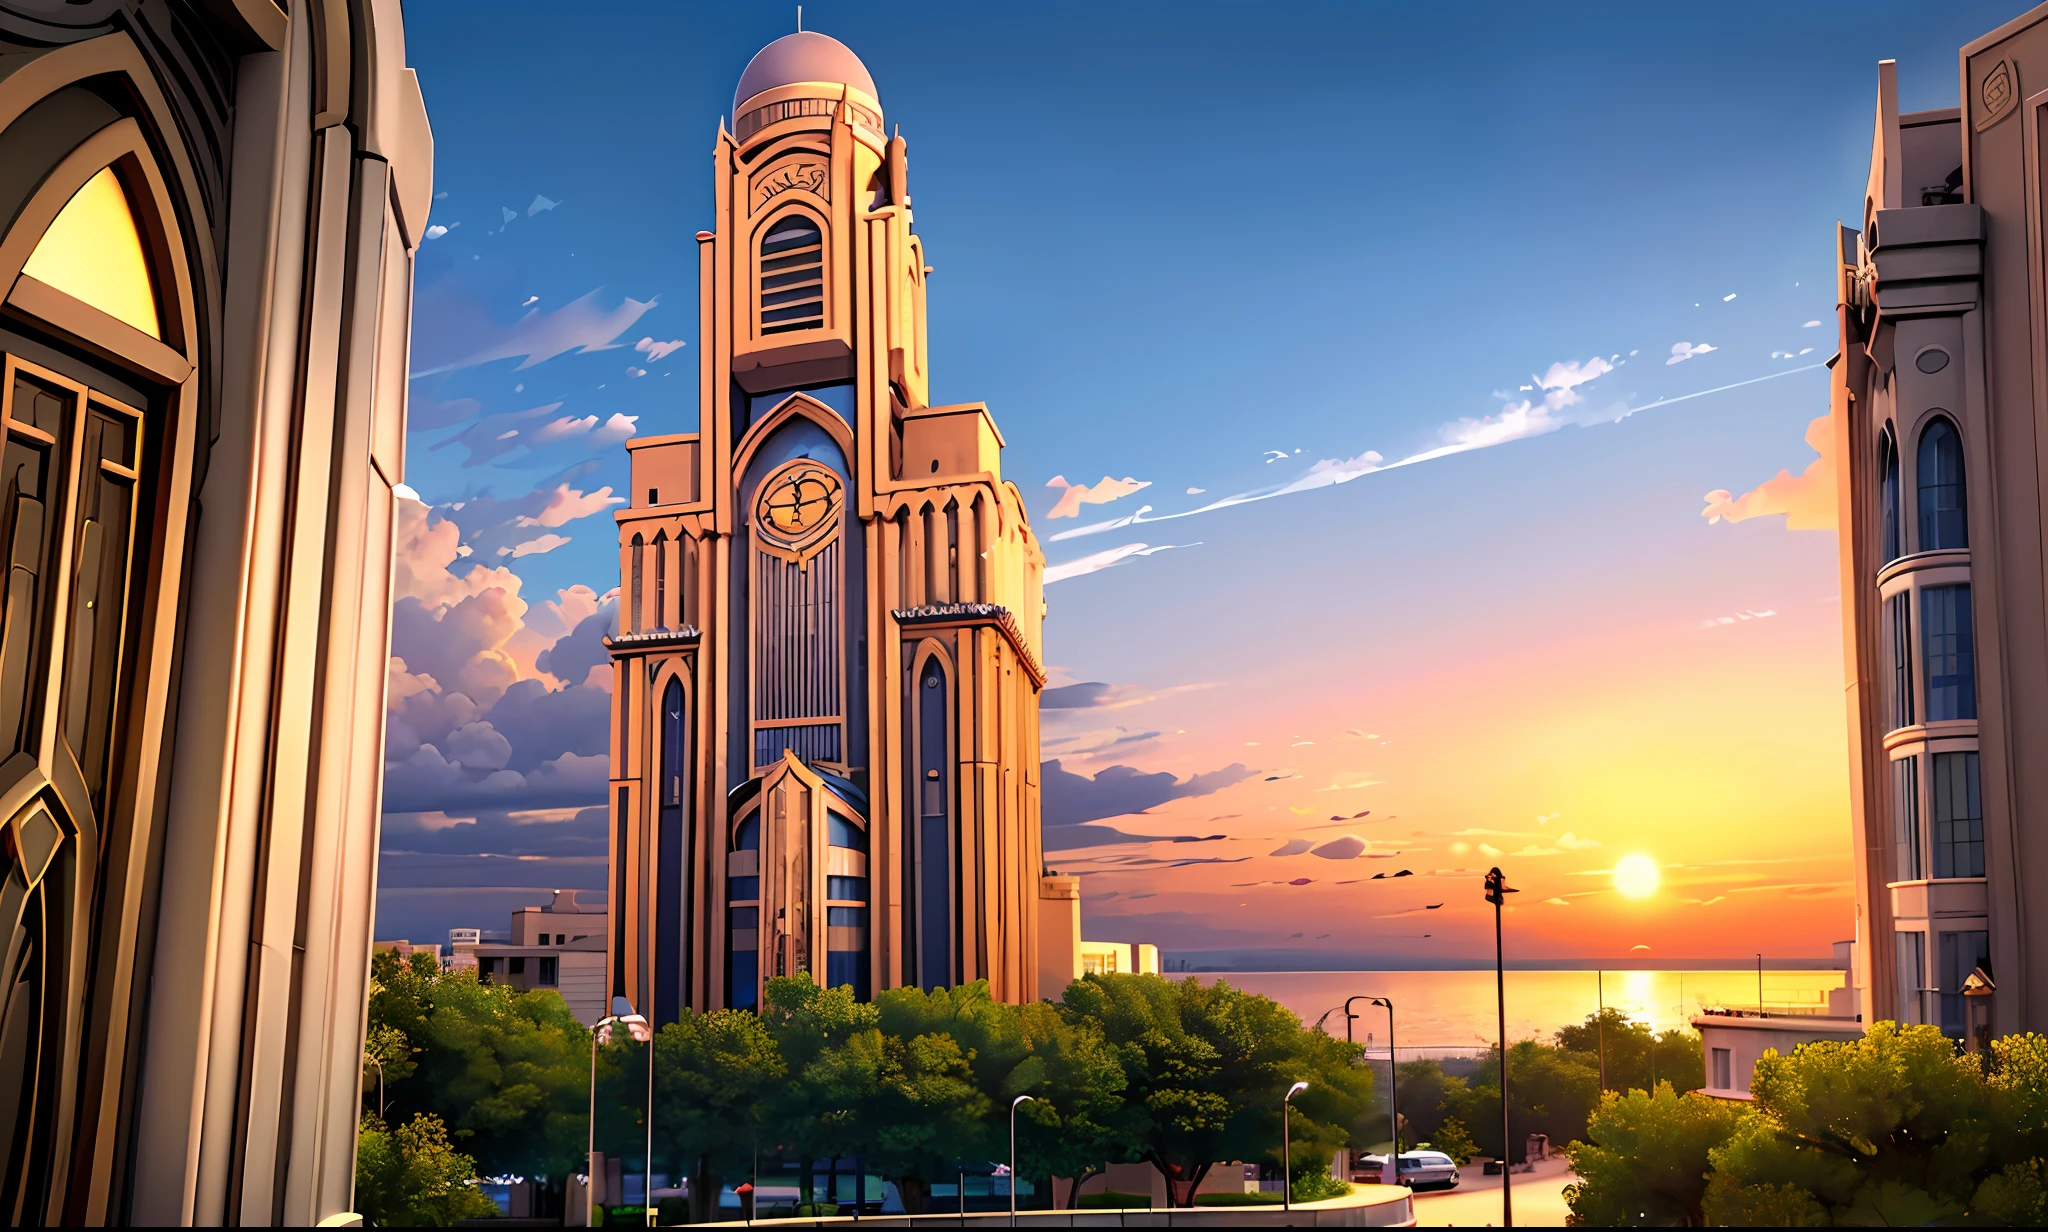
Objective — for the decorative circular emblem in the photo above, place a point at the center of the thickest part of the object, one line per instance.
(796, 507)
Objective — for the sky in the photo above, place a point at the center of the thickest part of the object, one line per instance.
(1417, 409)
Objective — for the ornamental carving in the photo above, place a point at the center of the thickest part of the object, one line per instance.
(1999, 93)
(806, 174)
(796, 510)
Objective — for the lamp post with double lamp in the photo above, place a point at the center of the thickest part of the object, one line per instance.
(1013, 1154)
(1287, 1147)
(601, 1034)
(1497, 890)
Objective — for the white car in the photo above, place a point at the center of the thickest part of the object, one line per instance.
(1419, 1169)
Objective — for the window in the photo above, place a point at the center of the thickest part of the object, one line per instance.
(487, 968)
(561, 939)
(550, 972)
(744, 918)
(1906, 818)
(1951, 660)
(93, 251)
(1944, 523)
(844, 967)
(792, 276)
(1724, 1069)
(519, 966)
(632, 617)
(1961, 953)
(839, 832)
(1958, 817)
(747, 835)
(1899, 613)
(742, 889)
(847, 889)
(743, 977)
(846, 917)
(1911, 957)
(1888, 467)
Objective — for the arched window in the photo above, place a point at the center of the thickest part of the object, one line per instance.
(661, 579)
(839, 832)
(1888, 470)
(792, 276)
(633, 617)
(673, 791)
(932, 853)
(1943, 520)
(846, 913)
(747, 835)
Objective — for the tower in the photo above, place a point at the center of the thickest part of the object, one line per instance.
(824, 751)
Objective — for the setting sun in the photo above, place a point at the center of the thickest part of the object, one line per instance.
(1636, 876)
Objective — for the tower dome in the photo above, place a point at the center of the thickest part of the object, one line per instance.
(800, 59)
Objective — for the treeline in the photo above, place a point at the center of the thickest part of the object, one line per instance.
(1552, 1088)
(1893, 1129)
(1124, 1068)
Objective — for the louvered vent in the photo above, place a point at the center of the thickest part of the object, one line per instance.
(792, 276)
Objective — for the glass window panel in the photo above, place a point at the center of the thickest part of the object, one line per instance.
(846, 917)
(742, 889)
(1888, 532)
(840, 832)
(853, 889)
(744, 918)
(1961, 953)
(94, 253)
(1910, 952)
(1899, 614)
(743, 978)
(1958, 816)
(1949, 653)
(1906, 818)
(1943, 520)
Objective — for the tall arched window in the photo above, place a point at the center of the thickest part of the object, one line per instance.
(846, 912)
(1943, 520)
(661, 579)
(792, 276)
(932, 853)
(671, 888)
(1888, 470)
(633, 617)
(743, 920)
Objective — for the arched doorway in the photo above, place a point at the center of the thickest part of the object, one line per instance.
(97, 381)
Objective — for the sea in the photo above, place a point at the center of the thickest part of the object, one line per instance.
(1452, 1013)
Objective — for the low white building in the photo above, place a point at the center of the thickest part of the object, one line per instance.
(1733, 1041)
(559, 946)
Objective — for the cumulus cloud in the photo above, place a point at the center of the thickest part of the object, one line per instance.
(1682, 351)
(436, 231)
(654, 349)
(1292, 847)
(1075, 495)
(464, 337)
(534, 547)
(1807, 500)
(491, 706)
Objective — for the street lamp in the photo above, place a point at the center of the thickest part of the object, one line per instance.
(1013, 1155)
(1977, 992)
(1497, 890)
(622, 1014)
(1287, 1146)
(380, 1083)
(1391, 1173)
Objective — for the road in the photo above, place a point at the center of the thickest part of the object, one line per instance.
(1475, 1203)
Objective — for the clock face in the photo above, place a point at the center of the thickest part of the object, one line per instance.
(798, 501)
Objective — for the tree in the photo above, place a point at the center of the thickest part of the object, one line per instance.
(1206, 1067)
(1551, 1091)
(1645, 1159)
(713, 1075)
(505, 1071)
(1636, 1060)
(411, 1177)
(1427, 1097)
(1452, 1139)
(1071, 1127)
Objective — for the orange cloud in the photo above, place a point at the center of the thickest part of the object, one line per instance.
(1807, 500)
(1077, 495)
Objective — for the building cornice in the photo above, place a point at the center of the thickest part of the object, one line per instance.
(992, 615)
(653, 639)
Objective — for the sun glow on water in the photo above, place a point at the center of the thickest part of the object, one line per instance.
(1636, 876)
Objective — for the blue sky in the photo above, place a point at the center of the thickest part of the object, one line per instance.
(1180, 244)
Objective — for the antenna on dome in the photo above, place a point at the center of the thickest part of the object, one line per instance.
(799, 19)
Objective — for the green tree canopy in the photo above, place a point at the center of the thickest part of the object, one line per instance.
(1207, 1066)
(1645, 1159)
(410, 1177)
(1636, 1060)
(1551, 1091)
(713, 1075)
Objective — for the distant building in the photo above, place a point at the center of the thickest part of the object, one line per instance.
(559, 946)
(1732, 1041)
(1939, 397)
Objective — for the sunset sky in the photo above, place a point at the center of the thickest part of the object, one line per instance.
(1451, 373)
